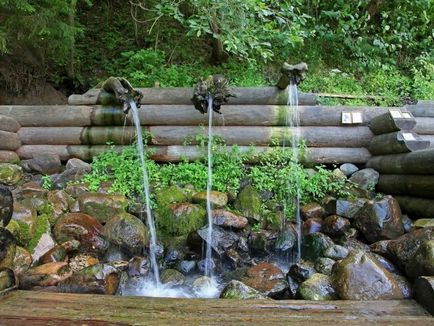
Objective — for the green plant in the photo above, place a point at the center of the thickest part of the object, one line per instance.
(47, 183)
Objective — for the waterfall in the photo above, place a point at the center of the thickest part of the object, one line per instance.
(208, 255)
(149, 218)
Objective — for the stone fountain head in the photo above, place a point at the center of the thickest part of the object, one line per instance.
(292, 73)
(123, 92)
(215, 87)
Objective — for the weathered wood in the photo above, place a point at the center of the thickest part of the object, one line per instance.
(429, 138)
(397, 142)
(411, 185)
(416, 207)
(313, 136)
(49, 115)
(9, 141)
(422, 109)
(424, 126)
(44, 308)
(9, 157)
(179, 153)
(419, 162)
(386, 123)
(182, 95)
(8, 124)
(50, 135)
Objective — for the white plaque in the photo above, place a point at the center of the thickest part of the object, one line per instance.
(406, 115)
(346, 117)
(357, 117)
(408, 136)
(396, 114)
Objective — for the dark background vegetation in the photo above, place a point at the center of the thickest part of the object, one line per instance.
(52, 48)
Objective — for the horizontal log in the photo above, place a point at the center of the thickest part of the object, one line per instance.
(422, 109)
(429, 138)
(48, 115)
(8, 124)
(9, 141)
(424, 126)
(179, 153)
(419, 162)
(388, 122)
(397, 142)
(410, 185)
(416, 207)
(9, 157)
(313, 136)
(182, 95)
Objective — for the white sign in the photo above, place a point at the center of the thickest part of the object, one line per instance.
(357, 117)
(408, 136)
(396, 114)
(406, 115)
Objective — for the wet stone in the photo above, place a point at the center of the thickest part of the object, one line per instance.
(319, 287)
(387, 264)
(187, 266)
(267, 279)
(228, 219)
(314, 245)
(139, 266)
(312, 225)
(424, 292)
(240, 291)
(407, 223)
(336, 252)
(217, 199)
(312, 210)
(301, 271)
(335, 225)
(424, 223)
(349, 208)
(22, 260)
(366, 178)
(172, 277)
(404, 285)
(348, 169)
(249, 203)
(82, 261)
(6, 205)
(221, 240)
(102, 206)
(324, 265)
(422, 262)
(286, 240)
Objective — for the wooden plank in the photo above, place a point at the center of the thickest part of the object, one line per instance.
(429, 138)
(50, 135)
(182, 95)
(422, 109)
(424, 126)
(419, 162)
(34, 308)
(410, 185)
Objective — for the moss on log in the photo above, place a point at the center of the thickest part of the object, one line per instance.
(419, 162)
(411, 185)
(388, 122)
(416, 207)
(397, 142)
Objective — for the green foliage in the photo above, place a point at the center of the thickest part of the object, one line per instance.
(47, 183)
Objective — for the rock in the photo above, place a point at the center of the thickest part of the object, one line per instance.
(361, 277)
(81, 261)
(349, 208)
(181, 219)
(249, 203)
(319, 287)
(381, 247)
(102, 206)
(366, 179)
(44, 243)
(139, 266)
(424, 292)
(221, 240)
(187, 266)
(354, 245)
(351, 233)
(44, 275)
(339, 175)
(10, 174)
(314, 245)
(380, 220)
(286, 240)
(44, 164)
(301, 271)
(6, 206)
(238, 290)
(60, 181)
(228, 219)
(76, 163)
(387, 264)
(7, 248)
(422, 262)
(59, 252)
(9, 157)
(202, 282)
(407, 223)
(33, 190)
(267, 279)
(348, 169)
(201, 265)
(7, 279)
(217, 199)
(293, 286)
(324, 265)
(335, 225)
(127, 232)
(75, 190)
(26, 215)
(404, 285)
(170, 195)
(60, 202)
(173, 256)
(83, 228)
(22, 260)
(336, 252)
(312, 210)
(171, 277)
(424, 223)
(99, 279)
(312, 225)
(405, 247)
(262, 242)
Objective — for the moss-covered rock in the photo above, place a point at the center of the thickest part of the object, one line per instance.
(318, 287)
(217, 198)
(170, 195)
(10, 174)
(22, 260)
(102, 206)
(60, 202)
(181, 219)
(42, 226)
(7, 248)
(238, 290)
(315, 244)
(172, 277)
(20, 231)
(249, 203)
(422, 262)
(6, 205)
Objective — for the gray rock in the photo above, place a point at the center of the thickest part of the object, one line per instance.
(407, 223)
(319, 288)
(172, 277)
(349, 208)
(422, 262)
(336, 252)
(76, 163)
(221, 240)
(301, 271)
(335, 225)
(238, 290)
(366, 179)
(43, 164)
(286, 239)
(348, 169)
(324, 265)
(387, 264)
(187, 266)
(404, 285)
(314, 245)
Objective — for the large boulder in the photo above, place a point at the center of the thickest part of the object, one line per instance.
(366, 179)
(319, 287)
(267, 279)
(221, 240)
(238, 290)
(314, 245)
(348, 169)
(180, 218)
(312, 210)
(335, 225)
(102, 206)
(249, 203)
(60, 201)
(380, 220)
(127, 232)
(10, 174)
(6, 205)
(228, 219)
(361, 277)
(22, 260)
(83, 228)
(170, 195)
(422, 262)
(301, 271)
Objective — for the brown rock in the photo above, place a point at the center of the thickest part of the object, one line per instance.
(22, 261)
(33, 190)
(59, 253)
(9, 157)
(228, 219)
(45, 275)
(60, 201)
(312, 225)
(102, 206)
(81, 261)
(266, 278)
(312, 210)
(218, 199)
(335, 225)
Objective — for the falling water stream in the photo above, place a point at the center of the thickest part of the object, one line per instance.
(149, 218)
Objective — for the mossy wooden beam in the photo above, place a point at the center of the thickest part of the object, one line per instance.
(410, 185)
(416, 207)
(9, 141)
(418, 162)
(390, 122)
(424, 126)
(397, 142)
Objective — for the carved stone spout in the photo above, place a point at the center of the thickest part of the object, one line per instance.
(292, 73)
(123, 92)
(215, 87)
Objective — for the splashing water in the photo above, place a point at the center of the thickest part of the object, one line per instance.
(150, 219)
(208, 256)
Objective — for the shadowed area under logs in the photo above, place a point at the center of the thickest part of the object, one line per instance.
(43, 308)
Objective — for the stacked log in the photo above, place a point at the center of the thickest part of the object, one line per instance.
(9, 139)
(405, 157)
